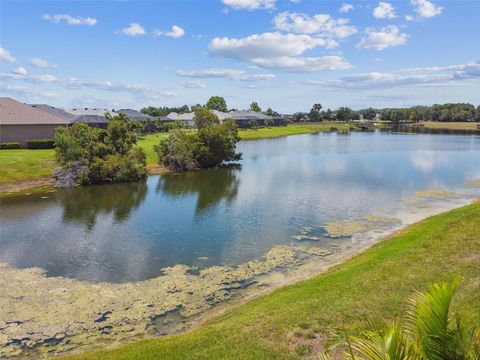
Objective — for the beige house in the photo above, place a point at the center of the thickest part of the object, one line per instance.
(20, 122)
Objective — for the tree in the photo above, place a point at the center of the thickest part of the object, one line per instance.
(369, 114)
(269, 122)
(204, 118)
(314, 114)
(90, 155)
(209, 147)
(270, 112)
(343, 114)
(327, 115)
(299, 116)
(253, 123)
(255, 107)
(217, 103)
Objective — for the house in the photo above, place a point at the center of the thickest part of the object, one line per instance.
(242, 118)
(20, 122)
(94, 117)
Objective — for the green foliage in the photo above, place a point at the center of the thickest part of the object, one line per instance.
(164, 111)
(204, 118)
(9, 145)
(344, 114)
(255, 107)
(427, 334)
(217, 103)
(269, 122)
(108, 154)
(315, 114)
(369, 113)
(253, 123)
(209, 147)
(40, 144)
(437, 112)
(270, 112)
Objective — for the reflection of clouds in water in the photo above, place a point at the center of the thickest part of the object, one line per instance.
(426, 161)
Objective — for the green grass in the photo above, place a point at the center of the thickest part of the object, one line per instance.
(23, 164)
(451, 125)
(372, 285)
(291, 129)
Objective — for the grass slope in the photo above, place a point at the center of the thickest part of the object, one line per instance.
(374, 284)
(23, 164)
(451, 125)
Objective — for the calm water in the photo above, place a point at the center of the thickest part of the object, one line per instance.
(228, 216)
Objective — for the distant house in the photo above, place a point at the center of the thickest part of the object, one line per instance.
(134, 115)
(94, 117)
(20, 122)
(242, 118)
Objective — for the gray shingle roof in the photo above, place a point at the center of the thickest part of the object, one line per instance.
(13, 112)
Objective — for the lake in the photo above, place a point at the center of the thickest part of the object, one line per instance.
(130, 232)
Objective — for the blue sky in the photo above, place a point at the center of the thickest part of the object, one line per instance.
(283, 54)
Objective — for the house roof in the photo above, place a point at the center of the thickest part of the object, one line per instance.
(89, 119)
(135, 115)
(91, 111)
(13, 112)
(53, 110)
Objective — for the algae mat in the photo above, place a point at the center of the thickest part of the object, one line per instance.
(63, 313)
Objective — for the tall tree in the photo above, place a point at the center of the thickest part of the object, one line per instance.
(369, 114)
(255, 107)
(315, 114)
(217, 103)
(204, 118)
(344, 113)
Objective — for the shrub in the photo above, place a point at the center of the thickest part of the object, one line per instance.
(40, 144)
(9, 145)
(108, 155)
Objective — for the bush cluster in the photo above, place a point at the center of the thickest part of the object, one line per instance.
(108, 155)
(9, 145)
(212, 145)
(40, 144)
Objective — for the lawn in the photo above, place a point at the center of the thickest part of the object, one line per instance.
(372, 285)
(23, 164)
(451, 125)
(291, 129)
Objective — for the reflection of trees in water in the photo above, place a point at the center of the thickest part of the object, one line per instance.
(84, 204)
(210, 185)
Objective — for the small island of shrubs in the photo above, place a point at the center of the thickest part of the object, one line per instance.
(212, 145)
(93, 156)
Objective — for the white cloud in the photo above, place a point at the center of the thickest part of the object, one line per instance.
(409, 17)
(321, 24)
(305, 64)
(5, 55)
(265, 45)
(20, 71)
(70, 20)
(250, 4)
(232, 74)
(41, 63)
(31, 94)
(419, 76)
(426, 9)
(279, 51)
(384, 10)
(176, 32)
(389, 36)
(135, 29)
(194, 84)
(345, 8)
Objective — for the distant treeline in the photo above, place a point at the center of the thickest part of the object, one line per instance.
(445, 112)
(437, 112)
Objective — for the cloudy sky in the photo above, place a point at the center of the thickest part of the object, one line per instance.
(283, 54)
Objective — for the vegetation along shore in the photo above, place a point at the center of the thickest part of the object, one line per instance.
(310, 316)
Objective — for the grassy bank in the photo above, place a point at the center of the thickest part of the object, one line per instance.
(450, 125)
(291, 129)
(23, 164)
(373, 285)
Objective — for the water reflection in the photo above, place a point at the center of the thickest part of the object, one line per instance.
(85, 204)
(210, 186)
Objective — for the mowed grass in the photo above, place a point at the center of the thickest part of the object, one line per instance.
(291, 129)
(23, 164)
(451, 125)
(373, 285)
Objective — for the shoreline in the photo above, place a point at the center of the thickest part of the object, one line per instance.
(264, 283)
